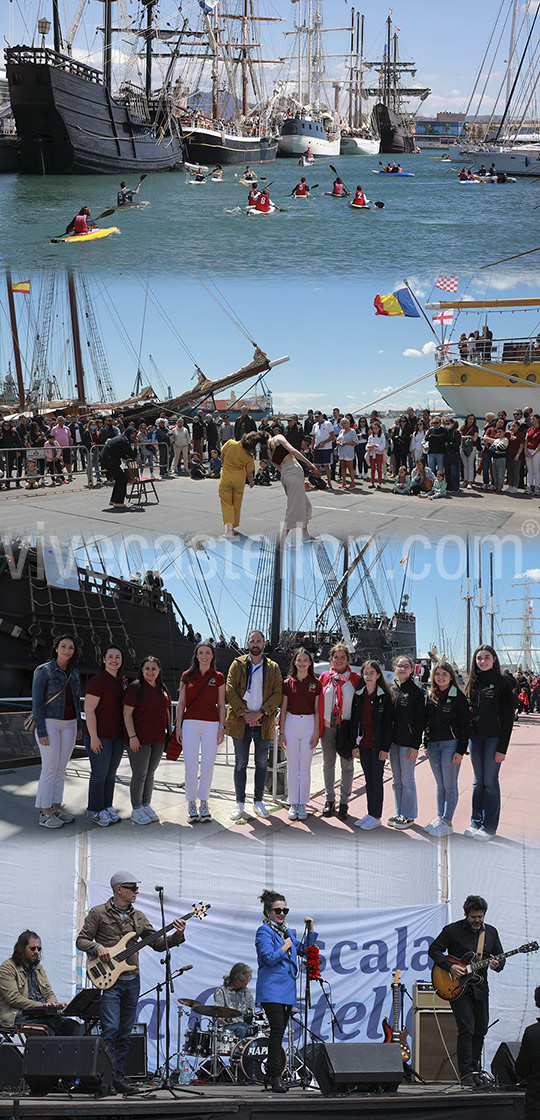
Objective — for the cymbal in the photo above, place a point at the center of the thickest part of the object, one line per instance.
(214, 1011)
(189, 1002)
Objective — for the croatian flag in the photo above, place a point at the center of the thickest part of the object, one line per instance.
(443, 317)
(447, 283)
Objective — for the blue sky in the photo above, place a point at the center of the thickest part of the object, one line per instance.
(376, 354)
(446, 42)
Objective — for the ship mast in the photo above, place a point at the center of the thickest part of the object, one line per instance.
(15, 338)
(57, 34)
(79, 371)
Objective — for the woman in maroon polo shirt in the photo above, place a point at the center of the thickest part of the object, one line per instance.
(104, 739)
(147, 719)
(371, 736)
(200, 726)
(299, 729)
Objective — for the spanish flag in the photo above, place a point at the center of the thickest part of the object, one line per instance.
(22, 286)
(398, 303)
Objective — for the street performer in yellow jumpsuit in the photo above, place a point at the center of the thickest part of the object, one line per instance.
(237, 461)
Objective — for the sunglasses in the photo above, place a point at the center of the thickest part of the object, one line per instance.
(130, 887)
(280, 909)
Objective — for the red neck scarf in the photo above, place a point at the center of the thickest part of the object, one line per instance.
(338, 680)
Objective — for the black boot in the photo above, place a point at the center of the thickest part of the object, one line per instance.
(277, 1085)
(328, 810)
(343, 811)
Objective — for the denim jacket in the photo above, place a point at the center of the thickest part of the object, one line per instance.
(48, 680)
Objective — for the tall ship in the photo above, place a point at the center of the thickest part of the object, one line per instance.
(394, 126)
(308, 123)
(357, 136)
(504, 369)
(233, 128)
(70, 121)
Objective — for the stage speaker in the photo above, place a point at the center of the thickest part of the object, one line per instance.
(81, 1061)
(435, 1033)
(11, 1066)
(136, 1058)
(361, 1067)
(503, 1066)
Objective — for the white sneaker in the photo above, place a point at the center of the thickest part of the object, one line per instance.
(404, 822)
(114, 817)
(50, 820)
(432, 824)
(204, 812)
(260, 809)
(392, 820)
(102, 819)
(441, 829)
(293, 813)
(371, 822)
(193, 812)
(64, 815)
(470, 831)
(361, 821)
(138, 816)
(301, 812)
(237, 812)
(150, 813)
(481, 834)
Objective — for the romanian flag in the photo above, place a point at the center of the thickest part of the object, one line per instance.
(22, 286)
(398, 303)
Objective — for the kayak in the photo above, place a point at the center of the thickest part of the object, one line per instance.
(94, 235)
(247, 182)
(357, 206)
(306, 162)
(301, 196)
(216, 179)
(196, 182)
(395, 174)
(331, 194)
(494, 179)
(463, 182)
(132, 206)
(252, 210)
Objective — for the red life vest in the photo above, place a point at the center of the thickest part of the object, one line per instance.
(80, 225)
(253, 196)
(301, 189)
(359, 199)
(263, 203)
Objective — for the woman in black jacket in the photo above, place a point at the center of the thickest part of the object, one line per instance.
(445, 738)
(409, 719)
(371, 736)
(492, 718)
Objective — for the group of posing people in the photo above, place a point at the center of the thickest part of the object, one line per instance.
(355, 715)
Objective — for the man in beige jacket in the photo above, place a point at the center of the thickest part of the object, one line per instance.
(25, 992)
(254, 691)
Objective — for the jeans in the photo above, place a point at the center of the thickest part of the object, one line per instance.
(452, 476)
(144, 764)
(278, 1017)
(330, 757)
(241, 756)
(435, 461)
(146, 455)
(373, 775)
(117, 1014)
(440, 755)
(471, 1017)
(404, 785)
(92, 463)
(486, 798)
(102, 778)
(498, 469)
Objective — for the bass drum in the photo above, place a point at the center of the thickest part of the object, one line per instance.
(250, 1058)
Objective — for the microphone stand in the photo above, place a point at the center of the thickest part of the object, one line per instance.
(166, 1082)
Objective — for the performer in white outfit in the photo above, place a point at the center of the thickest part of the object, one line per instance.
(299, 729)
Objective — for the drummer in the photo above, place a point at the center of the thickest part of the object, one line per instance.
(234, 992)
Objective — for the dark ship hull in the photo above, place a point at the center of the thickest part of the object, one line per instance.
(67, 123)
(377, 637)
(210, 146)
(395, 137)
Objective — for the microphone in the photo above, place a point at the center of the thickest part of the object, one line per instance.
(186, 968)
(158, 888)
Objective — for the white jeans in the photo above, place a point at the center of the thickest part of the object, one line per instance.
(298, 733)
(199, 742)
(62, 734)
(533, 469)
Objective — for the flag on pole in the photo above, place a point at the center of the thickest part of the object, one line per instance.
(443, 317)
(396, 303)
(22, 286)
(405, 558)
(447, 283)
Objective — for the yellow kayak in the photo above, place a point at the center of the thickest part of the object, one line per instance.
(94, 235)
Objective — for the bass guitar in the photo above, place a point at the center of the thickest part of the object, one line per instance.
(392, 1032)
(450, 987)
(104, 974)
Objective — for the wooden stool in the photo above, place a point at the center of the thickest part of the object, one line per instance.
(139, 490)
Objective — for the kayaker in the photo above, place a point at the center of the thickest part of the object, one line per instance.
(264, 203)
(199, 177)
(253, 196)
(125, 194)
(482, 170)
(308, 153)
(359, 198)
(217, 172)
(463, 175)
(80, 224)
(338, 187)
(249, 174)
(301, 189)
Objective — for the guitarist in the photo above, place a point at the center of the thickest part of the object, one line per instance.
(103, 927)
(471, 1009)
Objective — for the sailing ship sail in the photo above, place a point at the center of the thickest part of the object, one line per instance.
(69, 121)
(393, 124)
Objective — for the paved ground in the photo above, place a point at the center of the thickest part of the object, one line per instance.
(191, 509)
(520, 822)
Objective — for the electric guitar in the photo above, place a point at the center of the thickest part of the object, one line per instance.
(392, 1032)
(104, 974)
(449, 987)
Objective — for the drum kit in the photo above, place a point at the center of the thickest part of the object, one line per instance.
(220, 1055)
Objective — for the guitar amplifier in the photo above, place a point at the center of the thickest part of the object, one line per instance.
(137, 1055)
(424, 995)
(434, 1044)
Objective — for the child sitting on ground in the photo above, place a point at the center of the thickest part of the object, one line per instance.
(196, 468)
(402, 484)
(214, 465)
(439, 487)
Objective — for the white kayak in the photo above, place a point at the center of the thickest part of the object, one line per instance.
(357, 206)
(305, 162)
(216, 179)
(252, 210)
(196, 182)
(494, 179)
(132, 206)
(193, 168)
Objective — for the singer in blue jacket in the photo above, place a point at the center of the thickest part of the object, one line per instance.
(277, 953)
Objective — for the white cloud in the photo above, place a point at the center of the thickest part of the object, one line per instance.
(410, 353)
(429, 348)
(289, 399)
(380, 351)
(531, 573)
